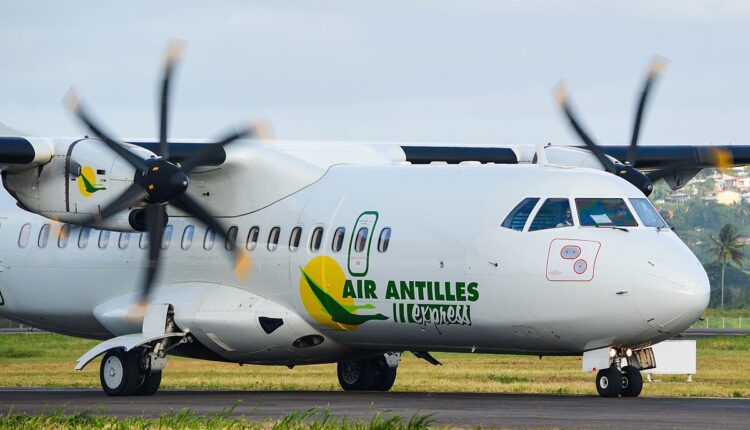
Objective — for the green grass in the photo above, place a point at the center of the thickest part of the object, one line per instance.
(47, 360)
(313, 419)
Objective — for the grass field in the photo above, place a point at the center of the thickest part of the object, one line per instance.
(313, 419)
(47, 360)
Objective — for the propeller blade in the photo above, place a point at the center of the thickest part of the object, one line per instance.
(561, 95)
(155, 224)
(655, 69)
(197, 159)
(174, 53)
(73, 101)
(131, 196)
(243, 264)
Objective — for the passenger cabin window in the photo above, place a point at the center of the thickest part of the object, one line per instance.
(294, 238)
(231, 240)
(361, 240)
(208, 239)
(166, 237)
(338, 239)
(646, 212)
(384, 239)
(62, 238)
(604, 212)
(143, 241)
(83, 237)
(103, 239)
(124, 240)
(516, 219)
(316, 239)
(43, 236)
(273, 238)
(252, 238)
(187, 237)
(554, 213)
(23, 236)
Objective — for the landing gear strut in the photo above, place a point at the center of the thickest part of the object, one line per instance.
(128, 373)
(370, 374)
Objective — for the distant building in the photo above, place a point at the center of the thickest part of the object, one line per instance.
(678, 197)
(728, 197)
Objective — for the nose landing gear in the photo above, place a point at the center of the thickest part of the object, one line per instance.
(625, 381)
(613, 382)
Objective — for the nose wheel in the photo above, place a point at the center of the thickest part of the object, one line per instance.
(613, 382)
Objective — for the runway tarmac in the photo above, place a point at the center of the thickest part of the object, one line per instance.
(462, 409)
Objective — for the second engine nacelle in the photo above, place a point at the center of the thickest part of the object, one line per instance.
(82, 177)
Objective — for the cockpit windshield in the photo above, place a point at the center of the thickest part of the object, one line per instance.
(604, 212)
(646, 212)
(554, 213)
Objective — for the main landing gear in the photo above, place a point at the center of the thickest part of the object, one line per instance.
(369, 374)
(129, 373)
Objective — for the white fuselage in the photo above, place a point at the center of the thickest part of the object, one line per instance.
(640, 286)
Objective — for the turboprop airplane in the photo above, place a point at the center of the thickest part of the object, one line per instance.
(360, 252)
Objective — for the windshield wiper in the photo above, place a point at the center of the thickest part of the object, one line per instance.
(613, 227)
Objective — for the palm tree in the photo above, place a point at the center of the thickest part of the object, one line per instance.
(727, 249)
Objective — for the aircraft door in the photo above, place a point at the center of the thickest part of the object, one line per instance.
(360, 241)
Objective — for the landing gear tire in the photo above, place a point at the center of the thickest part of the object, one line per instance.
(384, 375)
(150, 384)
(370, 374)
(119, 372)
(632, 382)
(609, 382)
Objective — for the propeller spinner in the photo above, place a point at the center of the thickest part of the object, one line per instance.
(159, 182)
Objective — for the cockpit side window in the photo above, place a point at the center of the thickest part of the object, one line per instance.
(646, 212)
(516, 219)
(554, 213)
(606, 212)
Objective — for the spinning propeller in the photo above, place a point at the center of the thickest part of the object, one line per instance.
(626, 171)
(671, 169)
(159, 182)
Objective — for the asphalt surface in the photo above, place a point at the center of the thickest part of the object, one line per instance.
(461, 409)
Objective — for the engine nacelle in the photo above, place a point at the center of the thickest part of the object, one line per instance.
(81, 177)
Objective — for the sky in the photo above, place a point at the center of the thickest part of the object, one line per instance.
(476, 72)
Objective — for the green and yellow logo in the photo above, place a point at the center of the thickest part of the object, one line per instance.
(87, 182)
(323, 293)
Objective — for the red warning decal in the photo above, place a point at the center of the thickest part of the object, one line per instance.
(572, 259)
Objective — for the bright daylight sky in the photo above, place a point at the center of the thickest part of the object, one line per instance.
(440, 71)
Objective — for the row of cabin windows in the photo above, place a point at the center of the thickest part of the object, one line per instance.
(251, 243)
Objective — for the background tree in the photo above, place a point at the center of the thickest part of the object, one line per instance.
(727, 249)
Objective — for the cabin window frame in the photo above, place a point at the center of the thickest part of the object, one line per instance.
(63, 237)
(295, 237)
(43, 238)
(316, 239)
(187, 237)
(103, 241)
(273, 238)
(340, 234)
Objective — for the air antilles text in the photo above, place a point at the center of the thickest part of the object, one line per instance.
(420, 302)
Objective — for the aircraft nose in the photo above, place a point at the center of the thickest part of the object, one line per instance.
(672, 294)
